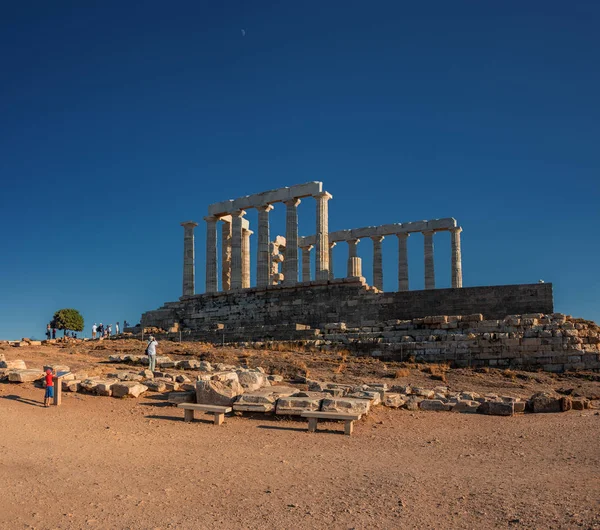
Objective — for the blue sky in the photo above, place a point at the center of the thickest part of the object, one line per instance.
(122, 119)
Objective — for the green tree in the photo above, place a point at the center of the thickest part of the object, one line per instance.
(67, 319)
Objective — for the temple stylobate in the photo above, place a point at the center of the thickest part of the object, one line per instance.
(235, 262)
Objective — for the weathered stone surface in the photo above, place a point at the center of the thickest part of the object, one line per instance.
(251, 381)
(423, 392)
(25, 376)
(548, 402)
(128, 389)
(412, 403)
(181, 378)
(217, 392)
(434, 404)
(104, 388)
(349, 405)
(157, 385)
(146, 374)
(373, 397)
(255, 402)
(296, 405)
(181, 397)
(281, 390)
(189, 364)
(466, 405)
(71, 385)
(519, 407)
(275, 378)
(497, 408)
(393, 400)
(57, 368)
(580, 403)
(13, 365)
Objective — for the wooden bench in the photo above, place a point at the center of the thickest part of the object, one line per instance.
(189, 408)
(315, 416)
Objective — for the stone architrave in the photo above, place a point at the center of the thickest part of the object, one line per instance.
(429, 262)
(402, 262)
(226, 254)
(189, 282)
(377, 262)
(246, 258)
(263, 266)
(322, 237)
(353, 259)
(456, 265)
(306, 263)
(331, 274)
(236, 249)
(212, 277)
(290, 265)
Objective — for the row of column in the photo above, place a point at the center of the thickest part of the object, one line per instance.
(354, 262)
(235, 257)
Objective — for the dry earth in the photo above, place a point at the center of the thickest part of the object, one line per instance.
(124, 463)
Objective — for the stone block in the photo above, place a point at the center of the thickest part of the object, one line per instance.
(25, 376)
(13, 365)
(217, 392)
(189, 364)
(373, 397)
(296, 405)
(251, 381)
(434, 405)
(394, 400)
(57, 368)
(497, 408)
(71, 385)
(423, 392)
(348, 405)
(412, 403)
(465, 405)
(157, 385)
(545, 402)
(580, 403)
(128, 389)
(181, 397)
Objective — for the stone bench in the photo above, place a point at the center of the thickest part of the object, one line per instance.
(315, 416)
(189, 408)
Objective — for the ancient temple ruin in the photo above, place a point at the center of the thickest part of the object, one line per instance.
(288, 292)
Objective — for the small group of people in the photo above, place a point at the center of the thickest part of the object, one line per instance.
(50, 332)
(104, 332)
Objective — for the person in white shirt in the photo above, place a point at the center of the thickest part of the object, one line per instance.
(151, 352)
(94, 329)
(117, 328)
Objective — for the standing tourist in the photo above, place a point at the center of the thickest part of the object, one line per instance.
(117, 328)
(48, 332)
(151, 352)
(108, 330)
(53, 333)
(49, 388)
(94, 329)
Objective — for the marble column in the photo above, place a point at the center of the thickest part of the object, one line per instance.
(322, 237)
(226, 254)
(246, 257)
(236, 249)
(189, 285)
(212, 277)
(263, 265)
(290, 264)
(456, 265)
(331, 275)
(306, 263)
(429, 263)
(377, 262)
(402, 262)
(354, 262)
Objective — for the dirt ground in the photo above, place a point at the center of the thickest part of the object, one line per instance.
(98, 462)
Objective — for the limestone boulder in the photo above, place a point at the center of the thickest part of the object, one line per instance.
(146, 374)
(128, 389)
(296, 405)
(347, 405)
(281, 390)
(466, 405)
(373, 397)
(580, 403)
(13, 365)
(71, 385)
(156, 385)
(412, 403)
(251, 381)
(181, 378)
(255, 402)
(549, 402)
(104, 387)
(394, 400)
(189, 364)
(215, 392)
(434, 405)
(275, 378)
(423, 392)
(181, 397)
(57, 368)
(115, 359)
(497, 408)
(25, 376)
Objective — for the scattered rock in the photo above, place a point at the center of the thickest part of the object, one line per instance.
(215, 392)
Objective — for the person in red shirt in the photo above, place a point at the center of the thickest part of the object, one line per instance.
(49, 388)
